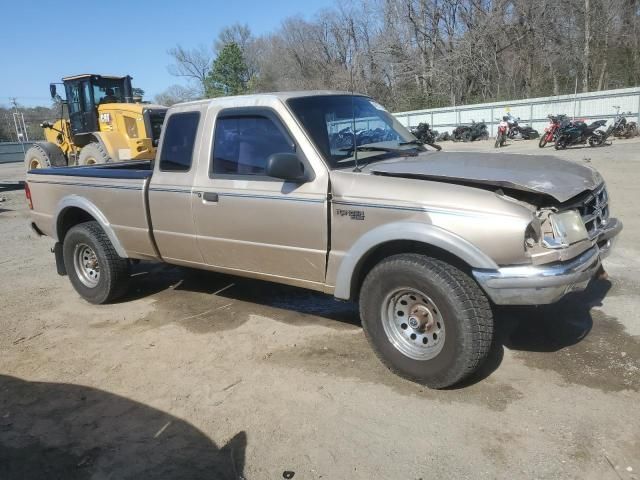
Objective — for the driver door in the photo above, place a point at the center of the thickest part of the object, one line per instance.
(249, 222)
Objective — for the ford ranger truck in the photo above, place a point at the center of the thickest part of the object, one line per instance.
(328, 191)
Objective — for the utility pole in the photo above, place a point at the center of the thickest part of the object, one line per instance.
(18, 122)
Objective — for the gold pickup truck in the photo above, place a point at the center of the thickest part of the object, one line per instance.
(328, 191)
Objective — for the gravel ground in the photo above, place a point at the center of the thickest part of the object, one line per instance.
(199, 375)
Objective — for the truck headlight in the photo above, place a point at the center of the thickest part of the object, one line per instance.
(567, 228)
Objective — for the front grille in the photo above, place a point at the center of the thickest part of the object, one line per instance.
(595, 211)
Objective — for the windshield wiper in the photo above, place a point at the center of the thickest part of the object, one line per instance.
(411, 142)
(371, 148)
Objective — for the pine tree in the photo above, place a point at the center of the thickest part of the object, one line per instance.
(229, 73)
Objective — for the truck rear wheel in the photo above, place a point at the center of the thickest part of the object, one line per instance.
(44, 155)
(93, 154)
(94, 267)
(425, 319)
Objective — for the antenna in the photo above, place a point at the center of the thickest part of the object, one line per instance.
(353, 125)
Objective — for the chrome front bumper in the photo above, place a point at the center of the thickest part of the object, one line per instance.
(543, 284)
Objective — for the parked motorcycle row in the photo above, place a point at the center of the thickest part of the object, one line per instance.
(564, 132)
(344, 138)
(561, 131)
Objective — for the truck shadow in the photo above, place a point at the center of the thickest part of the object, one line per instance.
(11, 186)
(59, 430)
(545, 328)
(548, 328)
(150, 279)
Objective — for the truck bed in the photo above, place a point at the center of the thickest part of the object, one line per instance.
(122, 170)
(61, 192)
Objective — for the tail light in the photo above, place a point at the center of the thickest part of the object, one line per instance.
(27, 193)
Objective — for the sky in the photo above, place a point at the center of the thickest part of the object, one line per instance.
(42, 41)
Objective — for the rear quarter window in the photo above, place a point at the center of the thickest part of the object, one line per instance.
(179, 139)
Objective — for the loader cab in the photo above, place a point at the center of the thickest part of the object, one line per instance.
(85, 93)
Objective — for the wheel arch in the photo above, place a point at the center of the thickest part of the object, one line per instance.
(404, 237)
(73, 210)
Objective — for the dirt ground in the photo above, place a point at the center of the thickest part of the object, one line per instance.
(199, 375)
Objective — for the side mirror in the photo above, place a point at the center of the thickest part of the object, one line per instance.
(286, 166)
(52, 90)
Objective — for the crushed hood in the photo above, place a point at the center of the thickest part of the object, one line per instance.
(543, 174)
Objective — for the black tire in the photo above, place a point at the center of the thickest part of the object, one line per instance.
(543, 141)
(113, 270)
(596, 140)
(561, 144)
(463, 307)
(44, 155)
(93, 154)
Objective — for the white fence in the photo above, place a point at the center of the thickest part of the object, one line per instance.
(532, 111)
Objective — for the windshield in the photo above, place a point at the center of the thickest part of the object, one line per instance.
(108, 90)
(337, 123)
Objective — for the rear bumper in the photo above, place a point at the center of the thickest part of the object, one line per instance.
(543, 284)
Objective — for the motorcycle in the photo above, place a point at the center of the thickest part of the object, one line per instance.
(551, 131)
(503, 129)
(443, 137)
(621, 128)
(470, 133)
(427, 136)
(383, 135)
(516, 130)
(579, 133)
(341, 139)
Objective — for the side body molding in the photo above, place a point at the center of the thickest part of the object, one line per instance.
(82, 203)
(418, 232)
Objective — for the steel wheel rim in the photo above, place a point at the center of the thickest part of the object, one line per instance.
(413, 324)
(85, 262)
(34, 163)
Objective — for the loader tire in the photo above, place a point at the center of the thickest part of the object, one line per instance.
(425, 319)
(44, 155)
(93, 154)
(95, 269)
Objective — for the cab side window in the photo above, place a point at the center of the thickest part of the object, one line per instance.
(243, 143)
(179, 139)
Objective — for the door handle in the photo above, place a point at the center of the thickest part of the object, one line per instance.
(210, 196)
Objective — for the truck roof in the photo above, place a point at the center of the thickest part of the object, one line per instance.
(274, 95)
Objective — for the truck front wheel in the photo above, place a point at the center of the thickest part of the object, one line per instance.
(94, 267)
(425, 319)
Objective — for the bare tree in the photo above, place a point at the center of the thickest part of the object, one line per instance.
(193, 64)
(429, 53)
(240, 34)
(177, 94)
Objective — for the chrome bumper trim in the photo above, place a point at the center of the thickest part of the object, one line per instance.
(543, 284)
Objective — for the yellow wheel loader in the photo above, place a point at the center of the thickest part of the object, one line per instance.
(105, 124)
